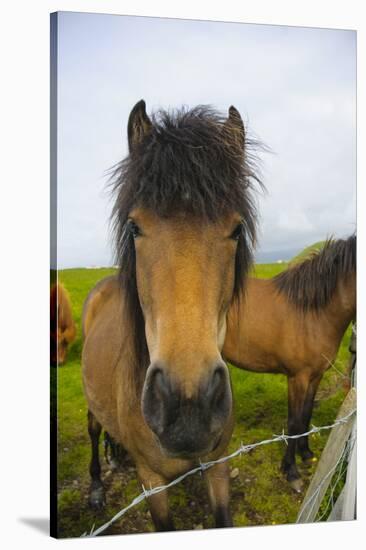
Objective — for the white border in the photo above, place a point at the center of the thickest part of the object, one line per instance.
(24, 287)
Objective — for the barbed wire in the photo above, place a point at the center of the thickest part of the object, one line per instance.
(243, 449)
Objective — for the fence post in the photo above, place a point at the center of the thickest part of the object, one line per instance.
(349, 503)
(328, 461)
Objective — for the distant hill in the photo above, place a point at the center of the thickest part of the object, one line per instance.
(286, 255)
(308, 250)
(275, 256)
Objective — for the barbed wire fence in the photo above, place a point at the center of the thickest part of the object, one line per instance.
(243, 449)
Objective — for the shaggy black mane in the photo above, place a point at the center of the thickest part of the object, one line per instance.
(310, 285)
(190, 162)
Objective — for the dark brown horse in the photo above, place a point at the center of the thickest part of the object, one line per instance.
(293, 324)
(62, 326)
(153, 373)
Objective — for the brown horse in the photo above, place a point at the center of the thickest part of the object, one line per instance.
(152, 367)
(62, 326)
(293, 324)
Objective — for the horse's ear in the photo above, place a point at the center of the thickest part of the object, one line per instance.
(139, 125)
(235, 127)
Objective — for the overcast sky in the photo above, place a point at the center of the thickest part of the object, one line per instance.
(295, 89)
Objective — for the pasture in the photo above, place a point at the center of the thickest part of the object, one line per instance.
(260, 493)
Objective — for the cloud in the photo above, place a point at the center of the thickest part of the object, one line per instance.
(295, 87)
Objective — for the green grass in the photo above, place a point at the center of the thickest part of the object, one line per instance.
(265, 271)
(260, 495)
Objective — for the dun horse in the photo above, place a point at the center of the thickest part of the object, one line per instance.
(62, 326)
(293, 324)
(153, 372)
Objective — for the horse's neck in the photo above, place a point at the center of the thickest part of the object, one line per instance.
(342, 307)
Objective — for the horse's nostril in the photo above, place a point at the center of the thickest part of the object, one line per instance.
(216, 380)
(159, 383)
(217, 387)
(155, 398)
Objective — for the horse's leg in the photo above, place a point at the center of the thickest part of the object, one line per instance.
(218, 482)
(114, 452)
(158, 503)
(297, 389)
(97, 493)
(303, 443)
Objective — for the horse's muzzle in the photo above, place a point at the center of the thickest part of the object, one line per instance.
(187, 427)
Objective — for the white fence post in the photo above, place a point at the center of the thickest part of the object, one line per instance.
(328, 462)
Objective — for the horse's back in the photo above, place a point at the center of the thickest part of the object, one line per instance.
(98, 297)
(102, 348)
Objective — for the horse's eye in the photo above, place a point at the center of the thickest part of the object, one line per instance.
(235, 235)
(134, 229)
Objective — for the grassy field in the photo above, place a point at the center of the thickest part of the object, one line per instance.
(260, 494)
